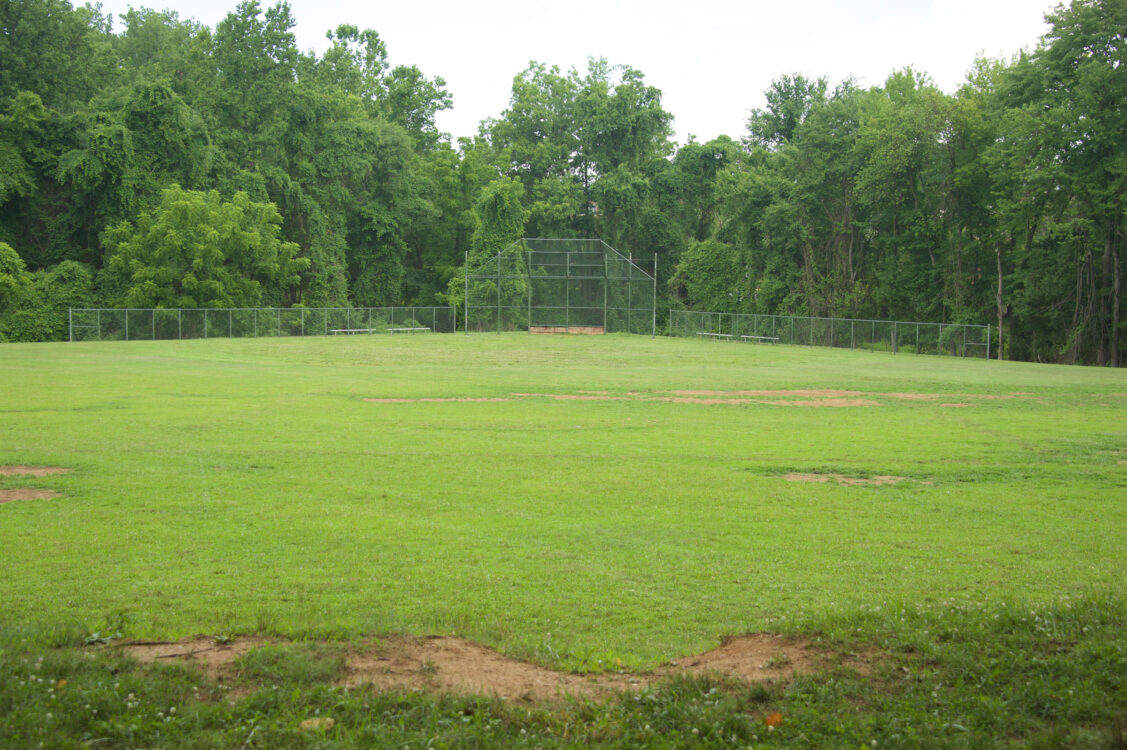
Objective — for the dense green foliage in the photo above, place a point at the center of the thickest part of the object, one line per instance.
(1002, 203)
(195, 250)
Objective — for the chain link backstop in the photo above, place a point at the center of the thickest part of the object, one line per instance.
(560, 284)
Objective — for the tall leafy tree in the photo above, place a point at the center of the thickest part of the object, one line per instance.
(197, 250)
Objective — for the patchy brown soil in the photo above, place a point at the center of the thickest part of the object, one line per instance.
(31, 471)
(451, 665)
(582, 396)
(816, 393)
(915, 396)
(8, 496)
(431, 400)
(847, 481)
(810, 398)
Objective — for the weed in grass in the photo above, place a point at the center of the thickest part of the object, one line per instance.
(297, 665)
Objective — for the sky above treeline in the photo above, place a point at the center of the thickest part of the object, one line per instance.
(712, 59)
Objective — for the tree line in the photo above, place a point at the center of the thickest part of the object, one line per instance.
(169, 164)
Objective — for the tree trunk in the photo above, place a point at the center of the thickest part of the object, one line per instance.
(998, 299)
(1116, 285)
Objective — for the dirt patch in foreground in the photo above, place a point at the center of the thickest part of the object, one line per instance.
(452, 665)
(31, 471)
(8, 496)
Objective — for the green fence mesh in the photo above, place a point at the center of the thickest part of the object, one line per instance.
(559, 283)
(846, 333)
(134, 324)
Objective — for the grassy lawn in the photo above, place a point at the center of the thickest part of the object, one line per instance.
(229, 487)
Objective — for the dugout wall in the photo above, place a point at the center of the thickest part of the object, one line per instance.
(544, 284)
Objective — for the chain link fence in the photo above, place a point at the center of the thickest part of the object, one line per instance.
(120, 324)
(542, 284)
(953, 339)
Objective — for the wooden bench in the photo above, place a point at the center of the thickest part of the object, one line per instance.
(375, 330)
(772, 339)
(715, 335)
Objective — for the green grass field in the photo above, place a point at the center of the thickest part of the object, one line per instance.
(246, 486)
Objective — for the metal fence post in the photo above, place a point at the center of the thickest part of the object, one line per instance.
(987, 342)
(70, 324)
(127, 324)
(179, 324)
(567, 290)
(653, 330)
(605, 285)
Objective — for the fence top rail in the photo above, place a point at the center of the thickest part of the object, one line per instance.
(815, 317)
(577, 242)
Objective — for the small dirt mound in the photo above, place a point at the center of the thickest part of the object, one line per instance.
(9, 496)
(31, 471)
(443, 664)
(751, 658)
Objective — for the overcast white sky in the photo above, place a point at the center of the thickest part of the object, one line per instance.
(712, 59)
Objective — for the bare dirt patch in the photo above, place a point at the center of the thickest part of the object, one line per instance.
(451, 665)
(751, 658)
(573, 396)
(431, 400)
(829, 402)
(819, 403)
(960, 396)
(847, 481)
(214, 659)
(31, 471)
(800, 397)
(815, 393)
(915, 396)
(8, 496)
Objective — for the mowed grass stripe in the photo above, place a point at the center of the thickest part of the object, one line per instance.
(246, 486)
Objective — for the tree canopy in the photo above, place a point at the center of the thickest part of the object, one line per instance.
(169, 163)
